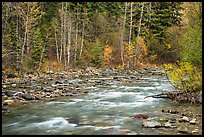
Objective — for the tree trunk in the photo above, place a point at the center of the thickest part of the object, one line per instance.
(122, 37)
(28, 35)
(58, 60)
(65, 34)
(41, 56)
(24, 40)
(138, 34)
(130, 35)
(69, 39)
(76, 37)
(82, 41)
(61, 44)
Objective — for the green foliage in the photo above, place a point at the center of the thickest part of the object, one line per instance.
(185, 76)
(94, 54)
(191, 43)
(33, 61)
(120, 67)
(164, 15)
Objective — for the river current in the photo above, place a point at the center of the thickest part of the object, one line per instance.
(105, 110)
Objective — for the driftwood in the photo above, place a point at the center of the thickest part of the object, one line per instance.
(188, 97)
(179, 95)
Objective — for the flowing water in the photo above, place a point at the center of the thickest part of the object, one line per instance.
(107, 109)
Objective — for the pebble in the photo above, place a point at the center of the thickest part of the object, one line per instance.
(193, 121)
(183, 130)
(151, 124)
(173, 120)
(4, 97)
(195, 131)
(4, 86)
(13, 85)
(184, 119)
(167, 124)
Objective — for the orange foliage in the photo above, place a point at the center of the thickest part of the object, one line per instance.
(53, 65)
(107, 54)
(142, 44)
(143, 50)
(128, 51)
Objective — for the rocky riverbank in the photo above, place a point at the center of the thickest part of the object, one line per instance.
(51, 84)
(181, 119)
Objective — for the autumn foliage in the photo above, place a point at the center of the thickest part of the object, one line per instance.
(142, 50)
(107, 55)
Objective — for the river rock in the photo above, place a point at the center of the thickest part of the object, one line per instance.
(141, 116)
(49, 89)
(9, 93)
(59, 82)
(183, 130)
(27, 96)
(195, 131)
(173, 120)
(4, 86)
(151, 124)
(4, 97)
(193, 121)
(19, 94)
(8, 102)
(168, 125)
(184, 119)
(12, 75)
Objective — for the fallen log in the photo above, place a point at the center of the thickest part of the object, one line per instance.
(187, 97)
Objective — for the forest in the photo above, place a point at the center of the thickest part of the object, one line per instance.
(102, 68)
(42, 36)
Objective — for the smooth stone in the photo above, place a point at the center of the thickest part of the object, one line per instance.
(183, 130)
(9, 93)
(167, 124)
(193, 121)
(151, 124)
(48, 90)
(4, 86)
(4, 97)
(195, 131)
(13, 85)
(184, 119)
(8, 102)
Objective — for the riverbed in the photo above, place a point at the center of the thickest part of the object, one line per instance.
(108, 108)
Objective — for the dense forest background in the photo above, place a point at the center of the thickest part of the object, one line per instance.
(39, 36)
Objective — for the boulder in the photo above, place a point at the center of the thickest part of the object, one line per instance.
(12, 75)
(9, 93)
(27, 96)
(8, 102)
(151, 124)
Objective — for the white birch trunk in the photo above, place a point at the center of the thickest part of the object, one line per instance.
(57, 48)
(82, 41)
(122, 37)
(65, 34)
(61, 42)
(138, 34)
(130, 35)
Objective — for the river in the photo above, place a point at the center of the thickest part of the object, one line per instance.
(106, 109)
